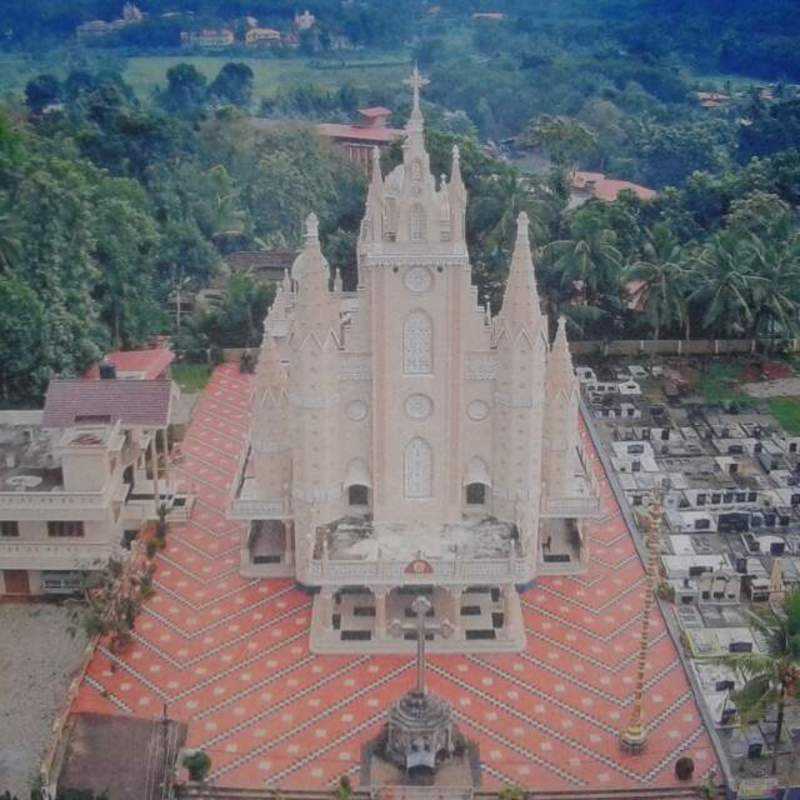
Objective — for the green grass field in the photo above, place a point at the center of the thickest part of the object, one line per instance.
(191, 377)
(787, 411)
(144, 73)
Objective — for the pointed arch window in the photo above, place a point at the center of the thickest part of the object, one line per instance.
(418, 470)
(418, 344)
(417, 223)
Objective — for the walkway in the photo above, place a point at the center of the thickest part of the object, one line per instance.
(230, 657)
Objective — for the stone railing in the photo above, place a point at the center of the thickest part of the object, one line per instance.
(52, 555)
(395, 573)
(52, 500)
(571, 506)
(257, 509)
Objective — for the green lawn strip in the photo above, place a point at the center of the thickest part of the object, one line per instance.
(191, 377)
(787, 411)
(720, 386)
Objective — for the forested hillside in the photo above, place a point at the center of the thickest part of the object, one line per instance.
(112, 200)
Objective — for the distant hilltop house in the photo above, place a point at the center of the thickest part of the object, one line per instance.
(488, 16)
(131, 15)
(208, 37)
(357, 141)
(262, 37)
(304, 21)
(711, 100)
(585, 186)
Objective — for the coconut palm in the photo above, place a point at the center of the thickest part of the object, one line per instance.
(770, 679)
(661, 277)
(590, 260)
(723, 278)
(776, 285)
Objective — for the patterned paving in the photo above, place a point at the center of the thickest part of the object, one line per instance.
(230, 657)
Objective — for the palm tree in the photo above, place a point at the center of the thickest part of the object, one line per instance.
(771, 678)
(662, 278)
(590, 259)
(776, 285)
(722, 274)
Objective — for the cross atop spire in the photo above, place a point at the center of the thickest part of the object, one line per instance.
(417, 83)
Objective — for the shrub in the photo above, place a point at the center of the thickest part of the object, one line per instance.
(198, 764)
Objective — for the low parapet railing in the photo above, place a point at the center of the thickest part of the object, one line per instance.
(456, 570)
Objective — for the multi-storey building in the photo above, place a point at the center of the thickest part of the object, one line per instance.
(79, 479)
(405, 441)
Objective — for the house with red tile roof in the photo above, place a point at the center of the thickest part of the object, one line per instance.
(586, 186)
(150, 364)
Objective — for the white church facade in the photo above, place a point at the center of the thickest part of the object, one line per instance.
(406, 442)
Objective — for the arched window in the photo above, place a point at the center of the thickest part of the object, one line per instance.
(390, 219)
(476, 494)
(358, 495)
(418, 344)
(417, 223)
(418, 472)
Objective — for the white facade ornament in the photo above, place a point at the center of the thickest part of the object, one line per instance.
(418, 279)
(419, 406)
(357, 410)
(418, 344)
(418, 470)
(481, 368)
(478, 410)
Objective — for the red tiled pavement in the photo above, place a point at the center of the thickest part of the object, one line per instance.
(230, 657)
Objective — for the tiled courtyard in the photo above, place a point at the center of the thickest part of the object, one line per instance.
(230, 657)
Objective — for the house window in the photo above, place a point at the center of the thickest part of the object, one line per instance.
(701, 499)
(476, 494)
(418, 344)
(358, 495)
(65, 529)
(9, 528)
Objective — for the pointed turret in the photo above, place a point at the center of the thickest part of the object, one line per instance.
(521, 304)
(310, 268)
(456, 187)
(372, 224)
(559, 367)
(415, 126)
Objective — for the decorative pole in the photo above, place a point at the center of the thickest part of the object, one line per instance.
(634, 738)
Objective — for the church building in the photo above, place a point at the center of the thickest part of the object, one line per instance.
(405, 441)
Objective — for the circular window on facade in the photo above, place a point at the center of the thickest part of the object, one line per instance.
(419, 406)
(418, 279)
(477, 410)
(357, 410)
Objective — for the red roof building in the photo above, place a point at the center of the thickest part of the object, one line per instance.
(356, 141)
(588, 185)
(145, 365)
(133, 403)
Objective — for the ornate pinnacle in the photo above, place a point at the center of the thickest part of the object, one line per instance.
(312, 229)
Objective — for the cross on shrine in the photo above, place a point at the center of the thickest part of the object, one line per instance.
(421, 606)
(416, 81)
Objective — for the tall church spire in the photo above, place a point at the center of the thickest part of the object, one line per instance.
(521, 299)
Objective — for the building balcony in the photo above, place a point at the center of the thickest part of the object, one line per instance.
(61, 556)
(54, 505)
(513, 569)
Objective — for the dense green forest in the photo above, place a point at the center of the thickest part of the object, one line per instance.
(111, 201)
